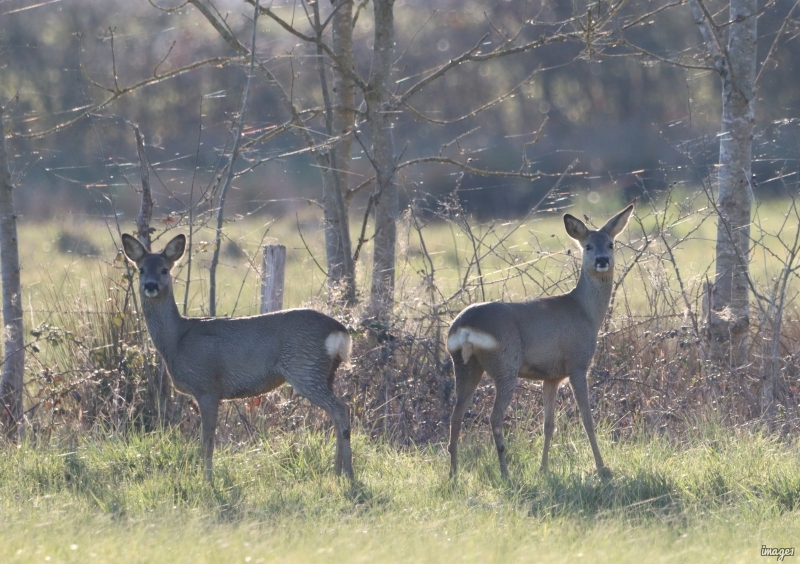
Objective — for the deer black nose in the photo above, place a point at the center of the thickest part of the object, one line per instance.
(601, 262)
(151, 288)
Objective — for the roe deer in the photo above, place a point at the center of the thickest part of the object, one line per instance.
(548, 339)
(214, 359)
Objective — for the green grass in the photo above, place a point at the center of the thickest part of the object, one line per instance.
(716, 496)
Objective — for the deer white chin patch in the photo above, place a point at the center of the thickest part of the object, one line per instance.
(602, 269)
(151, 293)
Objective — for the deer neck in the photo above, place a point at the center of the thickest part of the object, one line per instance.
(164, 322)
(594, 295)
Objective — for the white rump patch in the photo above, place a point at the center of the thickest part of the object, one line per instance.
(466, 339)
(338, 345)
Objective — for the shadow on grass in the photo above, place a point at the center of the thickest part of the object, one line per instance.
(297, 481)
(82, 480)
(638, 494)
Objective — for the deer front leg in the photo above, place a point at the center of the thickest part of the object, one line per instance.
(549, 391)
(209, 407)
(581, 389)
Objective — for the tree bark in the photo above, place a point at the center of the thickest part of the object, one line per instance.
(729, 297)
(384, 161)
(13, 336)
(340, 116)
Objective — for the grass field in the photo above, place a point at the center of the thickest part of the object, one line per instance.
(82, 492)
(517, 259)
(717, 496)
(54, 272)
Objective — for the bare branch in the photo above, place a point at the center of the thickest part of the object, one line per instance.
(645, 17)
(774, 45)
(473, 113)
(171, 47)
(215, 61)
(711, 35)
(113, 60)
(439, 73)
(473, 170)
(316, 41)
(361, 238)
(221, 27)
(298, 125)
(650, 55)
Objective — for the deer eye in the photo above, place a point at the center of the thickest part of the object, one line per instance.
(589, 247)
(164, 271)
(611, 245)
(141, 271)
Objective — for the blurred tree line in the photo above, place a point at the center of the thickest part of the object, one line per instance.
(632, 121)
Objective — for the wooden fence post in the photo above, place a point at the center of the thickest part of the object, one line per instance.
(272, 278)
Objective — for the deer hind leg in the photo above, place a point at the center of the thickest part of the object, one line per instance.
(339, 461)
(549, 392)
(209, 407)
(467, 378)
(321, 395)
(581, 390)
(504, 386)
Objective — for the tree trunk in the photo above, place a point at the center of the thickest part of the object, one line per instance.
(13, 337)
(729, 299)
(735, 196)
(386, 203)
(341, 116)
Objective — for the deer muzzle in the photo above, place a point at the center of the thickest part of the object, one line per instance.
(150, 289)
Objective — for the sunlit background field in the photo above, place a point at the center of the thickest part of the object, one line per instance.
(73, 254)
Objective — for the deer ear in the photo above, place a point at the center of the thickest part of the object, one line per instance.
(174, 249)
(616, 224)
(575, 227)
(132, 248)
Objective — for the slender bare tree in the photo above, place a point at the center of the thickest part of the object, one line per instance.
(13, 335)
(735, 61)
(379, 115)
(339, 122)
